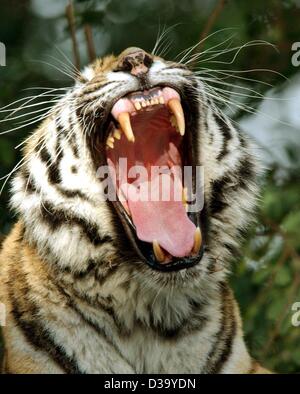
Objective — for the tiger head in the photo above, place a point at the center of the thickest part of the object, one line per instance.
(135, 169)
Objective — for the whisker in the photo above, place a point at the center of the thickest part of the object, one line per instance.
(160, 38)
(256, 95)
(29, 98)
(9, 118)
(192, 48)
(55, 67)
(66, 67)
(227, 74)
(225, 100)
(196, 55)
(238, 49)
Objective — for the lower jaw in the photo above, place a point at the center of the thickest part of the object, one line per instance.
(144, 250)
(176, 264)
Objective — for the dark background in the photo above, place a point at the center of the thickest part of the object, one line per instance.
(266, 273)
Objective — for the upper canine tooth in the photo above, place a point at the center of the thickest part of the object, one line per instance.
(124, 120)
(176, 108)
(159, 254)
(173, 122)
(197, 241)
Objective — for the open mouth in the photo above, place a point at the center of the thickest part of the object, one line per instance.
(147, 149)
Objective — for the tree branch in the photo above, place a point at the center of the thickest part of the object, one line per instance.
(209, 25)
(71, 22)
(211, 21)
(90, 42)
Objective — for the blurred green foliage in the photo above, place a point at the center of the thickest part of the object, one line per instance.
(266, 276)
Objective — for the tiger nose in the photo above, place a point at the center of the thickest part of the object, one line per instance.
(136, 61)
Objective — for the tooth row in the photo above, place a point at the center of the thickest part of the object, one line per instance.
(142, 103)
(116, 134)
(110, 141)
(161, 256)
(176, 119)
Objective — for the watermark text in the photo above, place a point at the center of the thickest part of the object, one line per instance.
(139, 183)
(296, 55)
(2, 54)
(2, 315)
(296, 315)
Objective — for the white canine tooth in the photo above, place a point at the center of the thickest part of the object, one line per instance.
(176, 108)
(197, 241)
(137, 105)
(159, 254)
(124, 120)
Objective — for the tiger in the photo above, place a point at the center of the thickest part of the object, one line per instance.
(96, 285)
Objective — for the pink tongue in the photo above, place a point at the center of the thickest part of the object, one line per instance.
(159, 215)
(163, 221)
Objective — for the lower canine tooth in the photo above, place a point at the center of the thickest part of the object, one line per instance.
(159, 254)
(176, 109)
(185, 197)
(197, 241)
(124, 120)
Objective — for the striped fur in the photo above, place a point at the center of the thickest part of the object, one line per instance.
(78, 298)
